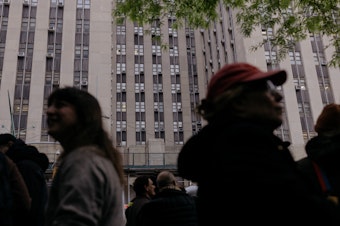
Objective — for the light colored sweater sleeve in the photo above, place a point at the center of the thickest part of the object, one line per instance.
(87, 192)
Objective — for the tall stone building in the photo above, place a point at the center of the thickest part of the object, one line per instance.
(148, 94)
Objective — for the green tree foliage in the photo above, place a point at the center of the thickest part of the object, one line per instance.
(292, 19)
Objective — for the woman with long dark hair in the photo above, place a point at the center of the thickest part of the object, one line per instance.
(88, 186)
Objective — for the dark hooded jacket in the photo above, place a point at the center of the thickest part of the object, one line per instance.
(325, 152)
(32, 165)
(246, 174)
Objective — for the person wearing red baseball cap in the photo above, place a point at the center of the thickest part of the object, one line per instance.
(245, 174)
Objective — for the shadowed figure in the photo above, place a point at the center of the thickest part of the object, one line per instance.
(261, 183)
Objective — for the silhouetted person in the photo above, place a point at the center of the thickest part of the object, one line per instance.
(32, 165)
(15, 201)
(144, 189)
(261, 184)
(322, 164)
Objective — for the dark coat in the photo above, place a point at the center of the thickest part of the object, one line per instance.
(21, 201)
(32, 165)
(247, 175)
(132, 211)
(169, 207)
(325, 152)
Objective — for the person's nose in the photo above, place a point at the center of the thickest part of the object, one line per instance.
(50, 109)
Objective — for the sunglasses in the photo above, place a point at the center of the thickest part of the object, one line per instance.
(261, 85)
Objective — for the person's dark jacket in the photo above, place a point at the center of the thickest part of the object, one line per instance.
(132, 211)
(32, 165)
(325, 152)
(15, 201)
(169, 207)
(247, 175)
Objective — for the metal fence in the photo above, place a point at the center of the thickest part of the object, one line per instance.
(150, 160)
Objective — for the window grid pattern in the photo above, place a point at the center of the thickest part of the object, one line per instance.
(4, 11)
(193, 84)
(121, 104)
(24, 69)
(321, 69)
(272, 64)
(302, 94)
(176, 82)
(140, 125)
(82, 41)
(157, 78)
(53, 60)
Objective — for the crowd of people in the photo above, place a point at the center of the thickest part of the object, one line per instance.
(236, 150)
(171, 205)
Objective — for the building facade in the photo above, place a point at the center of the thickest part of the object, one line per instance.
(148, 93)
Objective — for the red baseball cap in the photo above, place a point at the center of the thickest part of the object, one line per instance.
(236, 73)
